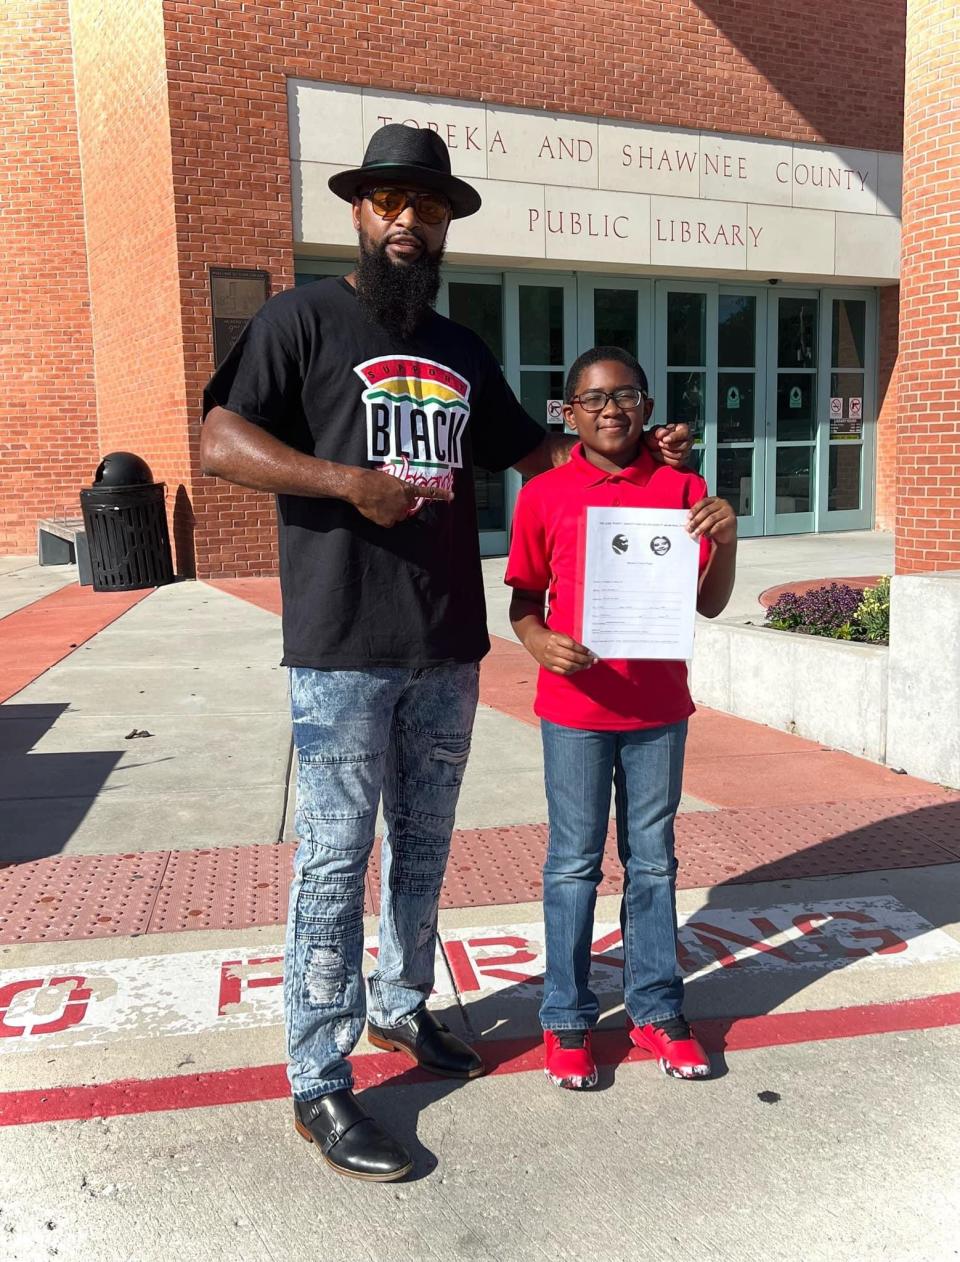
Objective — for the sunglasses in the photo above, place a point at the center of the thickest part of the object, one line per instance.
(388, 203)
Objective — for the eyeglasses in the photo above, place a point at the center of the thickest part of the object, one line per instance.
(625, 397)
(388, 203)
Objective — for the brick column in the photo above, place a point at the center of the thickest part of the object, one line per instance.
(928, 489)
(48, 406)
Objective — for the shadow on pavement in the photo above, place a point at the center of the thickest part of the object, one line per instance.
(401, 1111)
(43, 797)
(746, 958)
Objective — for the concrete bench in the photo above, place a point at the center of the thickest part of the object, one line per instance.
(63, 541)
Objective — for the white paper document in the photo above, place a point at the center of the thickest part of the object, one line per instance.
(639, 583)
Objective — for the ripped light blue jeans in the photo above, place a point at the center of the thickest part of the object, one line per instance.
(361, 734)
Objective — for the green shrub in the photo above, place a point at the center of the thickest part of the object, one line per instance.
(873, 613)
(839, 611)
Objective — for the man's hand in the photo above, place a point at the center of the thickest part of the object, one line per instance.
(714, 518)
(670, 444)
(387, 500)
(557, 652)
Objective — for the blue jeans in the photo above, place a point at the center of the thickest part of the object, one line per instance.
(404, 734)
(646, 770)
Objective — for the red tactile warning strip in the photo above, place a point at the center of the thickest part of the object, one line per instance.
(819, 839)
(38, 636)
(494, 866)
(503, 1056)
(220, 889)
(60, 899)
(82, 896)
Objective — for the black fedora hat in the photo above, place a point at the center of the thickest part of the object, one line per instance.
(408, 155)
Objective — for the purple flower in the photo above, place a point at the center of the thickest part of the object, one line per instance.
(820, 611)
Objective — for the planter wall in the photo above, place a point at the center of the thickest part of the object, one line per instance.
(924, 703)
(830, 691)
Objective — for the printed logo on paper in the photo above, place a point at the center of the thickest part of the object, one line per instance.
(660, 545)
(620, 543)
(417, 413)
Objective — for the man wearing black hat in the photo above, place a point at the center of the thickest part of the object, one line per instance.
(331, 387)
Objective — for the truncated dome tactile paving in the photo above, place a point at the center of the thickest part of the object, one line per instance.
(239, 887)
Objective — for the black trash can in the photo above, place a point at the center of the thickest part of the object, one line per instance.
(126, 524)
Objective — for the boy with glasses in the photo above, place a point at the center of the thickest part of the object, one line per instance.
(605, 724)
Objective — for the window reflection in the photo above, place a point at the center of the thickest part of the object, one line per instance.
(737, 331)
(686, 329)
(797, 333)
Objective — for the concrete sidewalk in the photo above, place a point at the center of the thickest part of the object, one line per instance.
(142, 1093)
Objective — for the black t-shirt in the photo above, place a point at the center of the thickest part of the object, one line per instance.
(315, 372)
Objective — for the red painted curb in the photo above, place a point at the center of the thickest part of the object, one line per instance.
(504, 1056)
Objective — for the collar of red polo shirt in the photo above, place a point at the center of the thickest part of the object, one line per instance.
(639, 472)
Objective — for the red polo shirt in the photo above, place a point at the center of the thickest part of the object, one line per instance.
(545, 556)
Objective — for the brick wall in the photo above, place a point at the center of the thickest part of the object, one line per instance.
(48, 446)
(186, 164)
(767, 70)
(131, 241)
(928, 487)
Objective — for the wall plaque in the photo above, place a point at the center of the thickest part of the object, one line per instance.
(236, 294)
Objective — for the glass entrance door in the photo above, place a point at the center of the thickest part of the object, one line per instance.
(822, 407)
(792, 406)
(477, 301)
(777, 384)
(848, 416)
(529, 323)
(541, 346)
(541, 342)
(710, 343)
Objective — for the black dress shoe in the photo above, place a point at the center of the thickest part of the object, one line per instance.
(428, 1042)
(349, 1139)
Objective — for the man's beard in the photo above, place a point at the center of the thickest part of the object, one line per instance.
(396, 295)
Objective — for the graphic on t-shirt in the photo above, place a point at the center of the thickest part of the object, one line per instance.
(417, 414)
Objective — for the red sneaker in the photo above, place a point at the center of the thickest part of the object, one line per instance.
(570, 1062)
(678, 1053)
